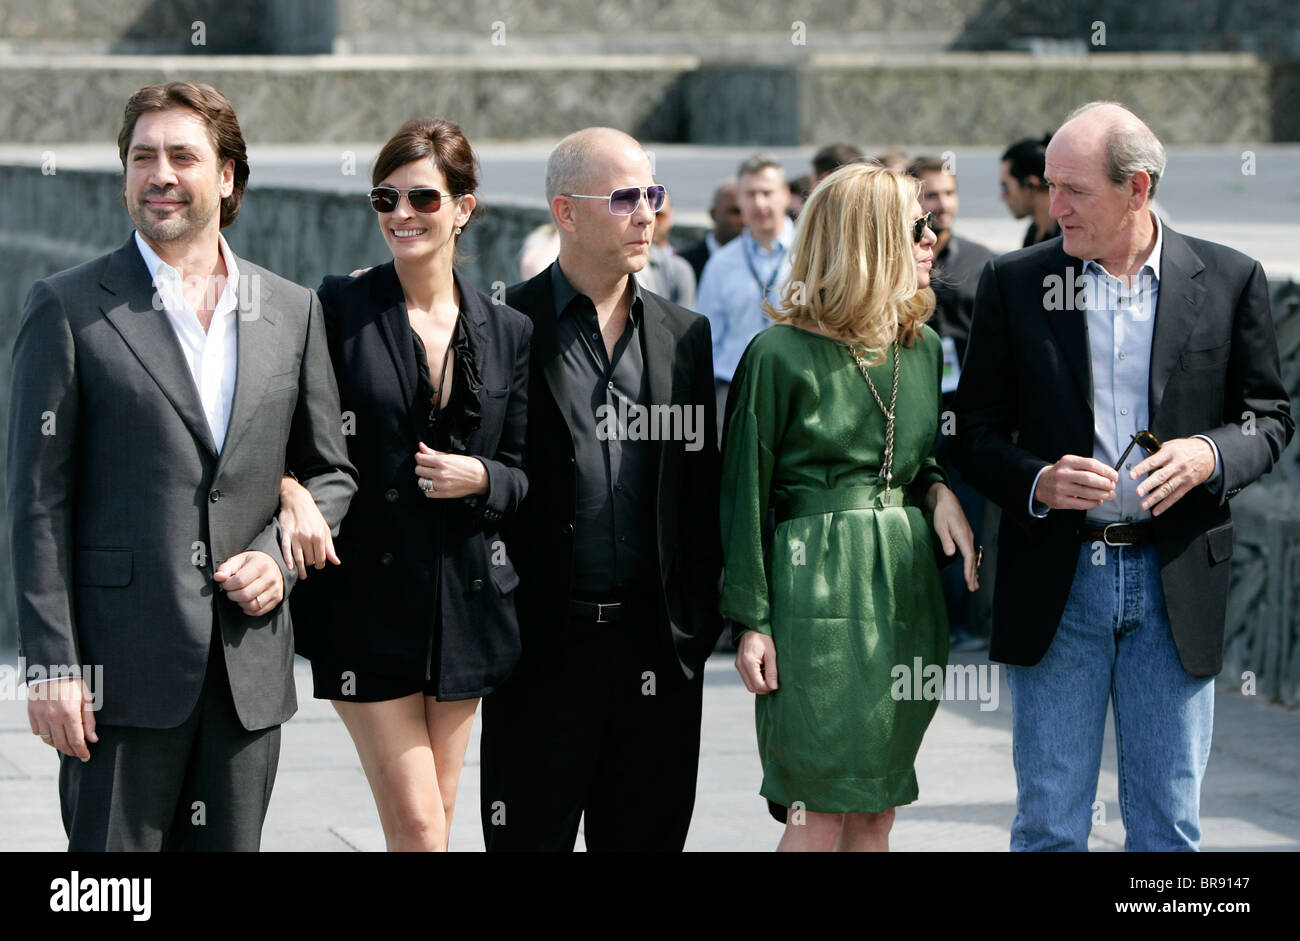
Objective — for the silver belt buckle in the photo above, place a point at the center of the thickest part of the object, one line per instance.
(1105, 535)
(600, 612)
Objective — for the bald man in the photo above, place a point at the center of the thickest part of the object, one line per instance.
(1120, 386)
(618, 548)
(727, 224)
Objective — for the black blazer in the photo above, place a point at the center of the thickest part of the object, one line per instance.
(1214, 362)
(375, 610)
(679, 360)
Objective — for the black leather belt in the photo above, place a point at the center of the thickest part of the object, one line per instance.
(608, 612)
(1119, 534)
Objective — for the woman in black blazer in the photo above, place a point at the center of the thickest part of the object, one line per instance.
(417, 621)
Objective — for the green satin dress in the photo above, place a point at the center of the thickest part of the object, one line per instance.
(850, 591)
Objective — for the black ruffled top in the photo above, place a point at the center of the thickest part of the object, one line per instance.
(448, 429)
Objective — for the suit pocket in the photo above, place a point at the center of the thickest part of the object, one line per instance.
(1205, 359)
(281, 382)
(104, 568)
(1219, 543)
(500, 569)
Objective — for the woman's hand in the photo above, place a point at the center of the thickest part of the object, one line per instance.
(450, 475)
(305, 537)
(756, 662)
(953, 531)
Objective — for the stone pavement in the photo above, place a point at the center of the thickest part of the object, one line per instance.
(1250, 800)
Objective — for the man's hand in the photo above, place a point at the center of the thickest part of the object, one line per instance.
(251, 580)
(305, 537)
(62, 713)
(756, 662)
(452, 475)
(1076, 483)
(1176, 468)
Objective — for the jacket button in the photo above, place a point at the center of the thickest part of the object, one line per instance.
(391, 495)
(386, 559)
(214, 496)
(568, 528)
(476, 585)
(573, 461)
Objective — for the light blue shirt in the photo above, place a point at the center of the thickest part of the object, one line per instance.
(1121, 326)
(732, 288)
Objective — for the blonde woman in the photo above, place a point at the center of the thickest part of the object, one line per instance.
(832, 422)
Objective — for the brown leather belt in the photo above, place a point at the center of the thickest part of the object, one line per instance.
(1119, 534)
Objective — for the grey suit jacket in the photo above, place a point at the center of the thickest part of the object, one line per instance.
(121, 508)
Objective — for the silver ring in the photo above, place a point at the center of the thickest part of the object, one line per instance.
(257, 601)
(426, 484)
(46, 736)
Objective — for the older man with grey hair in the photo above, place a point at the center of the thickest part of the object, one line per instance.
(1120, 386)
(619, 548)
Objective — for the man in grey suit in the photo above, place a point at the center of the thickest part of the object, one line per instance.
(159, 392)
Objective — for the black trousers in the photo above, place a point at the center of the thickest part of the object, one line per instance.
(605, 728)
(202, 786)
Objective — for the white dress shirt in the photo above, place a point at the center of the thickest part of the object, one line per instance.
(212, 355)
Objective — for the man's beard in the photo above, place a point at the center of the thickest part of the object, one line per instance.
(178, 225)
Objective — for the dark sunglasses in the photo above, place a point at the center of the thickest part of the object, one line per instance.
(919, 226)
(420, 198)
(1150, 443)
(624, 200)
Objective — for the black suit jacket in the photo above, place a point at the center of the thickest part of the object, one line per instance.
(697, 255)
(375, 610)
(679, 360)
(1025, 400)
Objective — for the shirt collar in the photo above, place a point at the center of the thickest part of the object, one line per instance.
(159, 268)
(1153, 260)
(564, 294)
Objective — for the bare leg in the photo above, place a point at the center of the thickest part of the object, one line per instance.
(866, 832)
(392, 740)
(809, 832)
(449, 725)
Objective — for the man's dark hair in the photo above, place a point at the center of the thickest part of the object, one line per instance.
(1027, 158)
(217, 114)
(801, 186)
(832, 157)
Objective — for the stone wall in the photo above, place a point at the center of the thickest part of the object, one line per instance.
(961, 98)
(584, 27)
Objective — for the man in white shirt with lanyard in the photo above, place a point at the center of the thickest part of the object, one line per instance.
(745, 271)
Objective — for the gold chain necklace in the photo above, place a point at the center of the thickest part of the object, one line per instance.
(887, 469)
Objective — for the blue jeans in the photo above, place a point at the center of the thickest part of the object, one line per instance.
(1113, 642)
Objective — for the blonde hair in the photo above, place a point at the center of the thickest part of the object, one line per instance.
(852, 271)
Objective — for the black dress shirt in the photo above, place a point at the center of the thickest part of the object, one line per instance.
(614, 531)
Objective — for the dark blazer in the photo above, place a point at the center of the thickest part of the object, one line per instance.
(697, 255)
(1025, 400)
(120, 517)
(375, 611)
(679, 360)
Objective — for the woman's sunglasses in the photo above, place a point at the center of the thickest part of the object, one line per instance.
(1150, 443)
(624, 200)
(419, 198)
(918, 228)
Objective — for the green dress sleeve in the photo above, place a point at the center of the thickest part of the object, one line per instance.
(747, 466)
